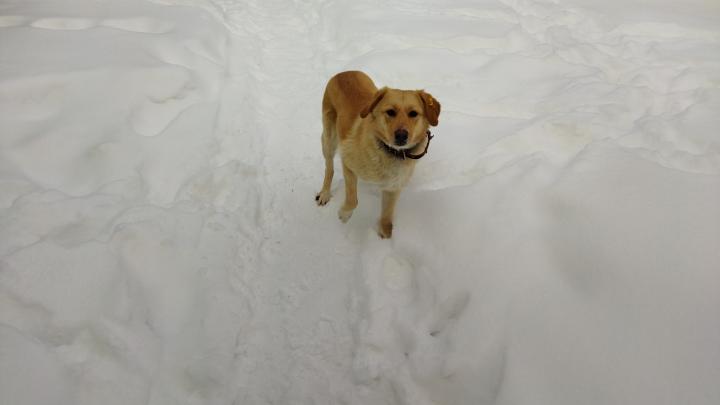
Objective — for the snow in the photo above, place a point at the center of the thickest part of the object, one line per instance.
(159, 242)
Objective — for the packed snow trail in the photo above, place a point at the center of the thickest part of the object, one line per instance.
(300, 347)
(159, 242)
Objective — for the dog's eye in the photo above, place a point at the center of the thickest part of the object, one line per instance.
(390, 113)
(412, 114)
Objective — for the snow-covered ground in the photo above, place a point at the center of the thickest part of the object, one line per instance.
(159, 242)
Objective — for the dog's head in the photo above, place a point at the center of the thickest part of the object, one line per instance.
(401, 117)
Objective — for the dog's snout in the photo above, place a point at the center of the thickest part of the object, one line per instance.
(401, 137)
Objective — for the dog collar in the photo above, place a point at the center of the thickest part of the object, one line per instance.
(403, 154)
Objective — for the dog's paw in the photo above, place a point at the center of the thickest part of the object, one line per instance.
(322, 197)
(385, 230)
(344, 215)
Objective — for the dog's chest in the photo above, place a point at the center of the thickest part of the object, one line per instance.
(375, 166)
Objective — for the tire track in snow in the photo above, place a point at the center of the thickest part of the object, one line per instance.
(299, 350)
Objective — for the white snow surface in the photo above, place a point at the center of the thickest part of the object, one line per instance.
(160, 243)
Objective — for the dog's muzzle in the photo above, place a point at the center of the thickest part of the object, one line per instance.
(403, 154)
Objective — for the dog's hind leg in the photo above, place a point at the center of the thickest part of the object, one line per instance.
(351, 200)
(329, 146)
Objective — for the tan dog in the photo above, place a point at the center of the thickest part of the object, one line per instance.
(381, 134)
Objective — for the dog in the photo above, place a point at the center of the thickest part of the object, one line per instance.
(381, 134)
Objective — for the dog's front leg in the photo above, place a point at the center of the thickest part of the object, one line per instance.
(351, 200)
(385, 227)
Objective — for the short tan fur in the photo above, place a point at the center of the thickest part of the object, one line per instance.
(356, 117)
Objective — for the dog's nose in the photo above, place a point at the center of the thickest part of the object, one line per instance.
(401, 136)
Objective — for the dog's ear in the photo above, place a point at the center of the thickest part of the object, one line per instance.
(375, 100)
(431, 107)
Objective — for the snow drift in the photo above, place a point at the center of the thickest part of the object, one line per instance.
(159, 242)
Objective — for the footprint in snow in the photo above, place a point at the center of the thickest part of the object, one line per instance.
(406, 323)
(426, 343)
(397, 273)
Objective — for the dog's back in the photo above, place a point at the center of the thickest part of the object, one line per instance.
(346, 95)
